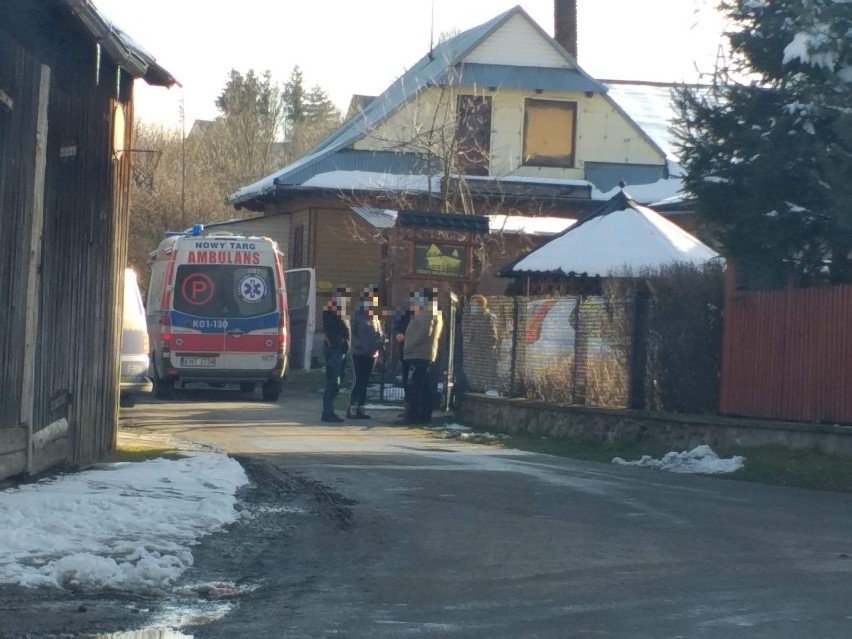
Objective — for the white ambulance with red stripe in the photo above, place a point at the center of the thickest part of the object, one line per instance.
(217, 312)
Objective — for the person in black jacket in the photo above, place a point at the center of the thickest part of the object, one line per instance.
(400, 325)
(336, 340)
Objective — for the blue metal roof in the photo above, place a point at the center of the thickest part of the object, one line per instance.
(437, 67)
(541, 78)
(378, 218)
(456, 221)
(395, 162)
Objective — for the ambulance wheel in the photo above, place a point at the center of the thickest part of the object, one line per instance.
(248, 387)
(162, 387)
(271, 391)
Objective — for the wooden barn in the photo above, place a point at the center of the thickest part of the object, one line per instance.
(66, 109)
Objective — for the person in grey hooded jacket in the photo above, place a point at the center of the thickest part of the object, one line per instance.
(367, 342)
(422, 339)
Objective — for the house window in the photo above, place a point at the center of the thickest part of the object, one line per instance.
(298, 245)
(550, 128)
(473, 134)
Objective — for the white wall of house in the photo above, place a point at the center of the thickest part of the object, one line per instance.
(603, 133)
(517, 43)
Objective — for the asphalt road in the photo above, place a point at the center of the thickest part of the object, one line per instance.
(371, 530)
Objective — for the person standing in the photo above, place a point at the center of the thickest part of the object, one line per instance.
(400, 325)
(367, 343)
(336, 339)
(421, 350)
(480, 345)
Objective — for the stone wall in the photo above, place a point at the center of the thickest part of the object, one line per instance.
(681, 432)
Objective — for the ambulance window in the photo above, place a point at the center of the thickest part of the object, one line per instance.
(298, 289)
(224, 291)
(155, 287)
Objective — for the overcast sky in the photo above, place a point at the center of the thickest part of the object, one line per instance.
(361, 46)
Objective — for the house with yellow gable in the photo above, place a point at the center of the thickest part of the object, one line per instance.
(496, 124)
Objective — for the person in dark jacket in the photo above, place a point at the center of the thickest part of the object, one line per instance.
(336, 340)
(399, 327)
(367, 342)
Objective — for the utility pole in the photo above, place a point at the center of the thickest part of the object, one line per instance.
(182, 157)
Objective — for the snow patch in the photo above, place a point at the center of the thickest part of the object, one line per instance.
(371, 181)
(701, 459)
(126, 526)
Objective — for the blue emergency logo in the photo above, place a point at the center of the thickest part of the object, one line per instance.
(252, 288)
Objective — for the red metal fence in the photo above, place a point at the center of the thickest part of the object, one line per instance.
(787, 354)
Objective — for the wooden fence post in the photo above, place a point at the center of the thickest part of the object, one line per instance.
(512, 366)
(638, 349)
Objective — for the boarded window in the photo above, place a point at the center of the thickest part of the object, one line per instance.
(298, 245)
(549, 132)
(473, 134)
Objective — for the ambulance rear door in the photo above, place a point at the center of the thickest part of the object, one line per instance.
(301, 307)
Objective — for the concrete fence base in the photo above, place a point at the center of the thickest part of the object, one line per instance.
(13, 451)
(681, 432)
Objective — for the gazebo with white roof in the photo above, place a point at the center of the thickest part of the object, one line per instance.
(620, 238)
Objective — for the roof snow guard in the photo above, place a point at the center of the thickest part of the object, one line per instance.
(620, 237)
(455, 221)
(120, 46)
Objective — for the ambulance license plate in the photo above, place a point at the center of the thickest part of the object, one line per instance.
(199, 362)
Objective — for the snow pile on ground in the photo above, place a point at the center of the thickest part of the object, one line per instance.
(127, 526)
(700, 459)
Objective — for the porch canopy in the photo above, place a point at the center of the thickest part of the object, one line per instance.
(619, 238)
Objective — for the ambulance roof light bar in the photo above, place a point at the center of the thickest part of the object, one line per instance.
(195, 230)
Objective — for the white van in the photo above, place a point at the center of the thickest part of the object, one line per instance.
(217, 312)
(134, 344)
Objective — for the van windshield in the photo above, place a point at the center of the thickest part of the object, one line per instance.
(132, 297)
(224, 291)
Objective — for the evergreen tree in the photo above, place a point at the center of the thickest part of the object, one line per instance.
(310, 115)
(320, 110)
(767, 150)
(294, 98)
(242, 146)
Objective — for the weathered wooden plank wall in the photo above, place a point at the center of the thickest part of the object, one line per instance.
(83, 244)
(19, 79)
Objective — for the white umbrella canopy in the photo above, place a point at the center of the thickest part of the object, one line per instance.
(621, 237)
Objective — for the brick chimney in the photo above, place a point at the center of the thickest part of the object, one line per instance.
(565, 24)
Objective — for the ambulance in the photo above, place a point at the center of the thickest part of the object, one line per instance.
(217, 312)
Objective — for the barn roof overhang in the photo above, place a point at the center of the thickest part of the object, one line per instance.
(119, 46)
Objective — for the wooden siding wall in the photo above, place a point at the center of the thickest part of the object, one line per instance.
(19, 78)
(347, 252)
(788, 354)
(84, 234)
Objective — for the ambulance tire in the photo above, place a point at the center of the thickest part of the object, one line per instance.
(162, 387)
(271, 391)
